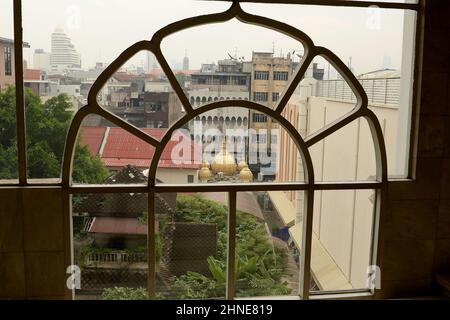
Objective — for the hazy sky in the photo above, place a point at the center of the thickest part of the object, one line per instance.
(101, 29)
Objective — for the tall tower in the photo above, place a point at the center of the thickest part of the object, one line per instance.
(185, 61)
(63, 55)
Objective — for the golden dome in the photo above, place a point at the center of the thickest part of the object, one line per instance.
(224, 162)
(242, 165)
(204, 164)
(204, 174)
(246, 175)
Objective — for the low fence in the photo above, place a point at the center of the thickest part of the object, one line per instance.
(117, 257)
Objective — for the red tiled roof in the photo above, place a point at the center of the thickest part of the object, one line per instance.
(122, 144)
(124, 77)
(92, 137)
(118, 225)
(123, 148)
(32, 74)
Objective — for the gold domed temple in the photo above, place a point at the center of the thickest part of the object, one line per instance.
(224, 168)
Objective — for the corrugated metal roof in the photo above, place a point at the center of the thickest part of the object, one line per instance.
(116, 225)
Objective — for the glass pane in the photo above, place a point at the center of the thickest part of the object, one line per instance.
(193, 245)
(342, 239)
(347, 154)
(255, 64)
(222, 146)
(385, 71)
(267, 265)
(107, 154)
(145, 100)
(70, 46)
(8, 130)
(110, 245)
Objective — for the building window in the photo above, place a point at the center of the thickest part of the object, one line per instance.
(274, 138)
(8, 61)
(280, 75)
(260, 96)
(275, 96)
(262, 138)
(259, 117)
(190, 178)
(261, 75)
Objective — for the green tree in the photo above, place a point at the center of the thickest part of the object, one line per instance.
(46, 128)
(259, 267)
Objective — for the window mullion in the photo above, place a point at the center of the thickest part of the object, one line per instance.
(305, 254)
(151, 248)
(231, 247)
(20, 106)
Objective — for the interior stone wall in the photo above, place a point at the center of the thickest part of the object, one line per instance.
(34, 247)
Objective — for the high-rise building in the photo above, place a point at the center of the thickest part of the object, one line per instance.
(42, 60)
(63, 56)
(185, 61)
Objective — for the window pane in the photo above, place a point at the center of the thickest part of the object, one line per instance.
(267, 265)
(260, 61)
(385, 71)
(346, 155)
(110, 245)
(107, 154)
(342, 239)
(8, 129)
(70, 46)
(194, 241)
(221, 146)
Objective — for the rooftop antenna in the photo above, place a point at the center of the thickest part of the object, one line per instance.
(273, 47)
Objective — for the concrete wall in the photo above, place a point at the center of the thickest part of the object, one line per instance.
(343, 219)
(176, 175)
(34, 243)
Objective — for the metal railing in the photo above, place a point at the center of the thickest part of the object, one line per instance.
(116, 257)
(378, 90)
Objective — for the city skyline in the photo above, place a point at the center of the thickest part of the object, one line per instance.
(378, 33)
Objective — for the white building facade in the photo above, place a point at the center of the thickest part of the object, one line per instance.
(63, 55)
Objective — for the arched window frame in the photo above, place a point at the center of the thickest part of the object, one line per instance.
(309, 186)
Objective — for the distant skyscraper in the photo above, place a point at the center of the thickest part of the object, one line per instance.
(185, 61)
(41, 60)
(152, 63)
(63, 56)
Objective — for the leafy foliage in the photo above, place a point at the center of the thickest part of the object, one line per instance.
(124, 293)
(47, 125)
(259, 266)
